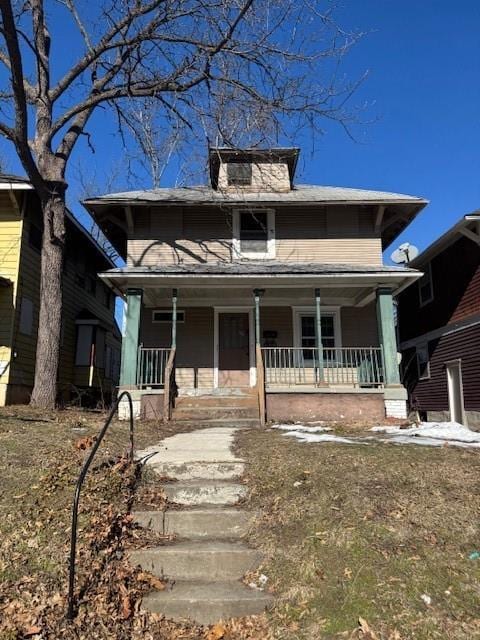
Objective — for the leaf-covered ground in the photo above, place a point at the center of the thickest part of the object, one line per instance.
(366, 541)
(40, 458)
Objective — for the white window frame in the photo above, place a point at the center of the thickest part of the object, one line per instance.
(180, 316)
(270, 252)
(298, 312)
(426, 374)
(427, 274)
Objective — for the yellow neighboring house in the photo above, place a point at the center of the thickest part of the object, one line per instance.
(90, 341)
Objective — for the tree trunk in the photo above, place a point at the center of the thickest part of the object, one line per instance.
(51, 297)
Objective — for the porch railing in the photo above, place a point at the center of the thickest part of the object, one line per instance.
(345, 366)
(151, 367)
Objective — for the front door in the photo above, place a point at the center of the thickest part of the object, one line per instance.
(455, 391)
(233, 350)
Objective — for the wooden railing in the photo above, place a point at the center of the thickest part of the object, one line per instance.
(170, 387)
(346, 366)
(151, 367)
(260, 385)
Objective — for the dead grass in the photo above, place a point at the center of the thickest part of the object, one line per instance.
(363, 532)
(40, 460)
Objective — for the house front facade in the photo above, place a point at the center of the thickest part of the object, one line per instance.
(90, 340)
(256, 285)
(439, 327)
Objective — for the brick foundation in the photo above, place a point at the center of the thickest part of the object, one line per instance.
(328, 407)
(152, 407)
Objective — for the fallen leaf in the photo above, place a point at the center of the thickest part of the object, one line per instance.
(84, 443)
(31, 631)
(217, 632)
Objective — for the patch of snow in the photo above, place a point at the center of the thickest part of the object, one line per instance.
(320, 437)
(300, 427)
(434, 434)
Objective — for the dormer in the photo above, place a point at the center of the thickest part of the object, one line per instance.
(253, 169)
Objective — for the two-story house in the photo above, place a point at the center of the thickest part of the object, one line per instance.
(254, 285)
(439, 327)
(90, 340)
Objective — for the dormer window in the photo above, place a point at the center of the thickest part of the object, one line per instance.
(254, 233)
(239, 174)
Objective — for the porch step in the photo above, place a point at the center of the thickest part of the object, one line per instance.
(214, 412)
(207, 602)
(198, 492)
(196, 524)
(199, 470)
(218, 422)
(217, 401)
(209, 560)
(218, 392)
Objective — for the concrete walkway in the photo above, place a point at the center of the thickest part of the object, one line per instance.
(207, 560)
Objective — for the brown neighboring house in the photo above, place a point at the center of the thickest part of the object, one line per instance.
(439, 327)
(254, 291)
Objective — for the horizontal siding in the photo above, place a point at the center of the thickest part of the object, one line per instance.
(432, 394)
(204, 234)
(10, 240)
(359, 326)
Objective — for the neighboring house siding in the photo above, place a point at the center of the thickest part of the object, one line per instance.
(432, 394)
(10, 239)
(204, 234)
(456, 289)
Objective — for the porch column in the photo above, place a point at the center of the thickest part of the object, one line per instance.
(388, 340)
(257, 293)
(318, 336)
(128, 370)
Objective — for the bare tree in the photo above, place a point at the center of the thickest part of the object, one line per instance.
(275, 60)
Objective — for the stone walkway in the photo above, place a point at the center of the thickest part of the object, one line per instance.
(207, 560)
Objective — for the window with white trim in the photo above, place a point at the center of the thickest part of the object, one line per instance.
(165, 315)
(254, 233)
(305, 329)
(423, 361)
(425, 286)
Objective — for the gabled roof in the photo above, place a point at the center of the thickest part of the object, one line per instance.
(464, 227)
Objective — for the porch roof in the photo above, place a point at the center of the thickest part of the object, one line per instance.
(269, 274)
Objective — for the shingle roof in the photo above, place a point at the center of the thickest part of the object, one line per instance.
(263, 267)
(299, 194)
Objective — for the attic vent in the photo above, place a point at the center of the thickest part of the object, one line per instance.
(239, 174)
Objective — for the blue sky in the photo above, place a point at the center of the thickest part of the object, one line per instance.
(421, 131)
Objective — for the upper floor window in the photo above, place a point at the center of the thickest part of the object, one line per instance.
(254, 233)
(425, 286)
(239, 174)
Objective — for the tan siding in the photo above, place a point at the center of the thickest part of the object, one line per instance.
(204, 234)
(359, 326)
(266, 176)
(278, 319)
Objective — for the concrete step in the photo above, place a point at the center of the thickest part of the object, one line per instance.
(212, 560)
(199, 470)
(214, 412)
(196, 523)
(219, 422)
(207, 602)
(197, 492)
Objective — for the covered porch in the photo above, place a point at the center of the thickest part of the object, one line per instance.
(322, 334)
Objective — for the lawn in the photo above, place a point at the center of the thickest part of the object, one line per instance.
(367, 541)
(360, 541)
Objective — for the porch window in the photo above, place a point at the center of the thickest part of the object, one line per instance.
(254, 233)
(308, 337)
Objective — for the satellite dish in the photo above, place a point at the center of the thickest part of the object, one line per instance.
(405, 253)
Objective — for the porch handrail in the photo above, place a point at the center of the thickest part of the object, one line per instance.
(352, 366)
(78, 488)
(151, 366)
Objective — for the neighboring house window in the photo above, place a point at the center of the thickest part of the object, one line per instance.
(425, 286)
(100, 348)
(239, 174)
(254, 233)
(26, 317)
(159, 316)
(83, 353)
(91, 284)
(35, 237)
(423, 362)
